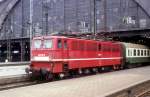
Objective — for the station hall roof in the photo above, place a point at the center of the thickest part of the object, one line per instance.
(7, 5)
(145, 5)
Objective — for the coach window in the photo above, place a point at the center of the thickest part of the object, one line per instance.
(134, 52)
(138, 52)
(131, 52)
(148, 53)
(145, 52)
(128, 52)
(59, 43)
(141, 52)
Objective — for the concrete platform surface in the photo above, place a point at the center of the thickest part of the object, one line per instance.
(98, 85)
(13, 79)
(12, 70)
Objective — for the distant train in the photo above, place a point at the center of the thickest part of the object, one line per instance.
(62, 56)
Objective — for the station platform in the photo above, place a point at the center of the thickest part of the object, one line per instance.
(12, 70)
(13, 79)
(99, 85)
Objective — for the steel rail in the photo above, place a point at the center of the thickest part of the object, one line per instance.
(143, 94)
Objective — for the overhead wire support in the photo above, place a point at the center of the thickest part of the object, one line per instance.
(31, 23)
(95, 24)
(46, 14)
(105, 15)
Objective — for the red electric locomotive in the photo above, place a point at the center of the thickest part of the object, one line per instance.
(59, 55)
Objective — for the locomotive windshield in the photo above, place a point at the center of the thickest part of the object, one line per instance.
(47, 43)
(37, 43)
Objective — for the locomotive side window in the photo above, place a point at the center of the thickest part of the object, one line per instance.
(65, 44)
(47, 43)
(59, 43)
(37, 43)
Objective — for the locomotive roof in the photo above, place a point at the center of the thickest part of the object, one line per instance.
(73, 38)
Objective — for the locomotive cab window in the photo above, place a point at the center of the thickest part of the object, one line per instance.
(37, 43)
(47, 43)
(59, 43)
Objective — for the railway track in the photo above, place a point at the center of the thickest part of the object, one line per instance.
(15, 85)
(144, 94)
(24, 81)
(21, 83)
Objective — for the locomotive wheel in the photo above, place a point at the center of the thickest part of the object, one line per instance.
(74, 73)
(99, 69)
(33, 77)
(94, 70)
(49, 76)
(86, 71)
(80, 71)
